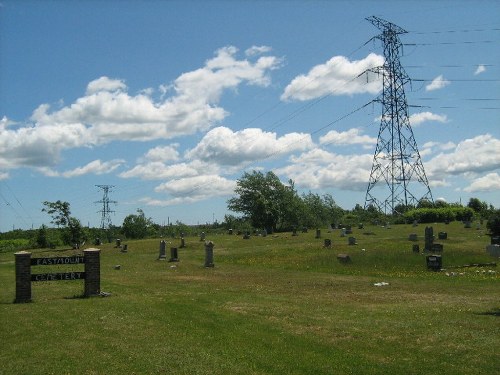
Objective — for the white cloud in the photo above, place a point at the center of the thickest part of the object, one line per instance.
(225, 147)
(437, 83)
(319, 169)
(349, 137)
(257, 50)
(163, 153)
(476, 155)
(418, 118)
(192, 189)
(338, 76)
(489, 182)
(480, 69)
(108, 113)
(157, 170)
(105, 84)
(96, 167)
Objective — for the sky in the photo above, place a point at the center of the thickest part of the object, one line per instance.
(170, 102)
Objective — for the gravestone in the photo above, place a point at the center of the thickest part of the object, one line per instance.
(118, 242)
(344, 258)
(183, 243)
(495, 240)
(442, 235)
(264, 233)
(174, 257)
(437, 248)
(163, 250)
(352, 241)
(209, 254)
(202, 236)
(416, 248)
(328, 243)
(124, 248)
(348, 229)
(246, 236)
(361, 226)
(434, 262)
(415, 223)
(493, 250)
(343, 232)
(294, 231)
(413, 237)
(429, 238)
(318, 233)
(230, 232)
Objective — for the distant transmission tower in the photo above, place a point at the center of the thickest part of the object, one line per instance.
(397, 165)
(105, 211)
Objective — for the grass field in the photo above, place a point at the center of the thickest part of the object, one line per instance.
(279, 304)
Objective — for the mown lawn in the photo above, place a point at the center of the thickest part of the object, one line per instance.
(279, 304)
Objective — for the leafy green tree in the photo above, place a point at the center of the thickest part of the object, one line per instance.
(61, 216)
(136, 226)
(265, 201)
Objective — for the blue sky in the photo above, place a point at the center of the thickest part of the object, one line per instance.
(171, 101)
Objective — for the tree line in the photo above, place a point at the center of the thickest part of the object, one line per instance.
(262, 202)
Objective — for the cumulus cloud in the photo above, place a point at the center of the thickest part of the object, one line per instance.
(350, 137)
(489, 182)
(319, 169)
(163, 153)
(338, 76)
(475, 155)
(192, 189)
(107, 112)
(96, 167)
(225, 147)
(105, 84)
(437, 83)
(418, 118)
(480, 69)
(257, 50)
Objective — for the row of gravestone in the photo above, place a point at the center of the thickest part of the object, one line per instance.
(174, 254)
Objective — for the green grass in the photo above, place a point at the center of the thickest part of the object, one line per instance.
(273, 305)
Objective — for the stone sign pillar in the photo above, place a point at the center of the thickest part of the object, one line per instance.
(92, 272)
(209, 254)
(23, 277)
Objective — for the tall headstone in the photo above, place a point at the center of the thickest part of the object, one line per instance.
(209, 254)
(174, 257)
(429, 238)
(163, 250)
(318, 233)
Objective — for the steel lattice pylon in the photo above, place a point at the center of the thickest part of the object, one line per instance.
(105, 218)
(396, 161)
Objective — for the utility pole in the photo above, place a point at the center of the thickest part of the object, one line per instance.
(105, 201)
(397, 176)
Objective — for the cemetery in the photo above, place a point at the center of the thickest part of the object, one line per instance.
(298, 302)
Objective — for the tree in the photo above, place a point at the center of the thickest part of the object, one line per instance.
(136, 226)
(61, 216)
(265, 201)
(493, 223)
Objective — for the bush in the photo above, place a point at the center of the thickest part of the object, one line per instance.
(441, 214)
(493, 223)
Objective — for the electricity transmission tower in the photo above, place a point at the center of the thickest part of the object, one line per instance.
(397, 167)
(105, 211)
